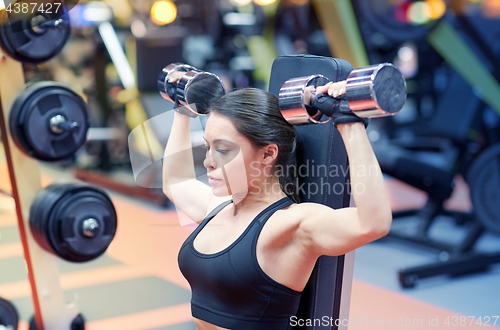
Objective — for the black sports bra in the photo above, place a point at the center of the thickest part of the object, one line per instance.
(229, 289)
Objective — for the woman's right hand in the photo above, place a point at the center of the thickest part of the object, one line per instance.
(175, 76)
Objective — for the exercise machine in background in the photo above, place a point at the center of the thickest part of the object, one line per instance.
(448, 53)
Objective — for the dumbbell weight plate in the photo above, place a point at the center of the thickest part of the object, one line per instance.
(376, 91)
(32, 119)
(25, 41)
(197, 90)
(194, 92)
(8, 315)
(483, 177)
(73, 221)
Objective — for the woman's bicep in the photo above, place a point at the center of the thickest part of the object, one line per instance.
(333, 232)
(192, 197)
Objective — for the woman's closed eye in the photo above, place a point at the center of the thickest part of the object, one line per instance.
(220, 150)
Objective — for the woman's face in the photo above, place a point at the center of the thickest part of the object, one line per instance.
(231, 160)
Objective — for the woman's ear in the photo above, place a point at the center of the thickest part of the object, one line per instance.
(270, 153)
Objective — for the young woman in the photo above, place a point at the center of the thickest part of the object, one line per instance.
(256, 246)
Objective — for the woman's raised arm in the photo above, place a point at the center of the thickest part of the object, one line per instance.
(336, 232)
(179, 179)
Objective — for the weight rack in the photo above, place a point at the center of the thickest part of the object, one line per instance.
(51, 311)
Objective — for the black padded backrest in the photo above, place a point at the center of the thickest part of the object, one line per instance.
(321, 148)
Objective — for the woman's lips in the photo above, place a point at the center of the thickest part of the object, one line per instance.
(213, 181)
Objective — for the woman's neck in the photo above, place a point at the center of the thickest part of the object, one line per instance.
(256, 199)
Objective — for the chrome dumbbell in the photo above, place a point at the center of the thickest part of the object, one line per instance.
(194, 92)
(374, 91)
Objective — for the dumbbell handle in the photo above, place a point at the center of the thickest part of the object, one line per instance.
(330, 105)
(336, 108)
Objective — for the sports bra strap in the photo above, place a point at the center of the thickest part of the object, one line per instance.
(261, 217)
(214, 212)
(266, 214)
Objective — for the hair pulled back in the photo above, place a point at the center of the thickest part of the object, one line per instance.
(257, 116)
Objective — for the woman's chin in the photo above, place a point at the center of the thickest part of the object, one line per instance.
(224, 192)
(220, 191)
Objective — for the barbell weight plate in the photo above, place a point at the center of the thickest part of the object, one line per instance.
(69, 220)
(30, 121)
(483, 177)
(26, 42)
(78, 323)
(40, 209)
(32, 325)
(57, 219)
(8, 314)
(381, 15)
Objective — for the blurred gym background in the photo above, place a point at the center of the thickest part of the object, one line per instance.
(441, 153)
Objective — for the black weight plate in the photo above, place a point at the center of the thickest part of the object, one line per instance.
(41, 210)
(483, 177)
(56, 218)
(21, 42)
(78, 323)
(69, 214)
(8, 314)
(32, 325)
(30, 116)
(380, 15)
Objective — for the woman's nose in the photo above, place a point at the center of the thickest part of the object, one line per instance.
(209, 162)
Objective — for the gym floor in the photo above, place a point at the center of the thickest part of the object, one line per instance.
(137, 284)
